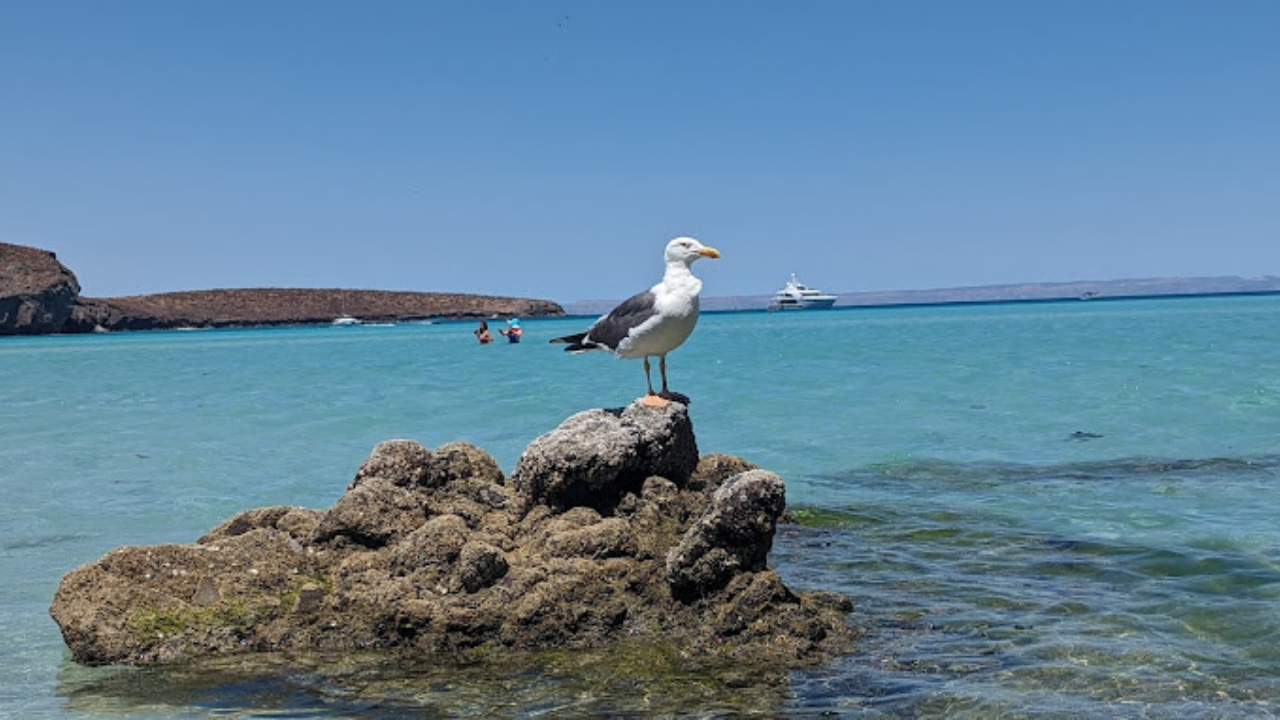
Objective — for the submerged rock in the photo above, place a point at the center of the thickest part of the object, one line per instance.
(610, 528)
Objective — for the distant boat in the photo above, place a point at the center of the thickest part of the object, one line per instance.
(1090, 295)
(345, 320)
(795, 295)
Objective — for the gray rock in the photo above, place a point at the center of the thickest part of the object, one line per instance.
(595, 457)
(733, 536)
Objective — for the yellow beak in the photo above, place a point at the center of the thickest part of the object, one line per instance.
(709, 252)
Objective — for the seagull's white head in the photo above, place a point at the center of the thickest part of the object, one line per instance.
(686, 250)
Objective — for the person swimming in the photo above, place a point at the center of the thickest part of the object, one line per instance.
(513, 331)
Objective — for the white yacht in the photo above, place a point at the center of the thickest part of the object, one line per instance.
(798, 296)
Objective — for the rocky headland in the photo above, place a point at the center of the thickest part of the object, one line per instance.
(611, 529)
(39, 295)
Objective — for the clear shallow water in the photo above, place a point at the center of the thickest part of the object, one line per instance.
(1039, 509)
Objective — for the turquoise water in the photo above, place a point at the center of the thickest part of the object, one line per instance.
(1062, 509)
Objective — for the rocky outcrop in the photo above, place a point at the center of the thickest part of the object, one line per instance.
(37, 293)
(290, 306)
(611, 528)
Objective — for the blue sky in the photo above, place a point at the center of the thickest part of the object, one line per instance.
(550, 149)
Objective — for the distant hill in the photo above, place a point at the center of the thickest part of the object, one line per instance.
(251, 307)
(1083, 289)
(39, 295)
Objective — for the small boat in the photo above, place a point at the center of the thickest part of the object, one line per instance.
(345, 319)
(798, 296)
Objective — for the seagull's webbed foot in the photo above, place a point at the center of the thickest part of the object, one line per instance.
(663, 399)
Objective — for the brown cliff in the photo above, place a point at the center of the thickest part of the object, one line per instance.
(290, 306)
(37, 293)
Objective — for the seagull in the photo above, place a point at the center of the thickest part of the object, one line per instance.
(653, 322)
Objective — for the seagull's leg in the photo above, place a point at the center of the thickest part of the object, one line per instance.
(653, 399)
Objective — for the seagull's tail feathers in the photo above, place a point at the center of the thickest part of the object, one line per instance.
(575, 342)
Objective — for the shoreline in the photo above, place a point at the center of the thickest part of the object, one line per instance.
(41, 296)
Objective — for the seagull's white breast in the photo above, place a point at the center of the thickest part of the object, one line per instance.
(676, 306)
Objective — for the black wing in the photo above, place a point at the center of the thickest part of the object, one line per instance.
(612, 329)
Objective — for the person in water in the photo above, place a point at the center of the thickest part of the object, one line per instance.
(482, 333)
(512, 331)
